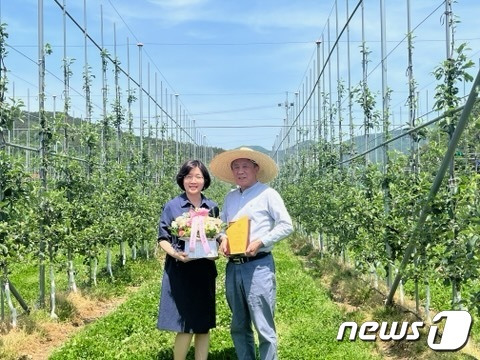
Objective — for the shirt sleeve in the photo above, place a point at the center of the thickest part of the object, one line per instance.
(223, 213)
(164, 223)
(282, 220)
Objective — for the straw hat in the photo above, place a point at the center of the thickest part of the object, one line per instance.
(220, 165)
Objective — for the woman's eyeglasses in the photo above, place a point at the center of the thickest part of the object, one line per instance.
(191, 177)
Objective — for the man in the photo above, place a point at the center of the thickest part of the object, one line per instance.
(250, 278)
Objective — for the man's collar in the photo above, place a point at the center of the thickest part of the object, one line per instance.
(248, 188)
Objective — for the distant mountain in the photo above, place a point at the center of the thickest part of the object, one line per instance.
(259, 149)
(30, 120)
(401, 145)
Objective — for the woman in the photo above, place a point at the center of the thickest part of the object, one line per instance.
(187, 302)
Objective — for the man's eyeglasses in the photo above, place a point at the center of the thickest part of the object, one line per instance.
(191, 177)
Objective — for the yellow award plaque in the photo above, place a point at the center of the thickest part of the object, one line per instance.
(238, 233)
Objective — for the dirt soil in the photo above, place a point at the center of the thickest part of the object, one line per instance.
(358, 295)
(35, 340)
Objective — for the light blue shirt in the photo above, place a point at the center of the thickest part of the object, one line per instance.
(269, 219)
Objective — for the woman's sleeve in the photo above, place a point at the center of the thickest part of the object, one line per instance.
(164, 224)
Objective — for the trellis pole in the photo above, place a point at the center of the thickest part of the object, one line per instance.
(118, 109)
(385, 97)
(66, 81)
(332, 129)
(88, 109)
(319, 95)
(414, 163)
(105, 130)
(27, 153)
(295, 128)
(177, 154)
(339, 88)
(310, 112)
(324, 102)
(364, 81)
(462, 123)
(104, 96)
(452, 182)
(167, 119)
(43, 147)
(140, 94)
(195, 137)
(157, 122)
(130, 96)
(163, 127)
(149, 103)
(349, 83)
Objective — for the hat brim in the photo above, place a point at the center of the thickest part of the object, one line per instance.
(220, 166)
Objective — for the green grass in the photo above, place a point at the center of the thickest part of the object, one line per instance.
(441, 297)
(364, 303)
(306, 318)
(135, 274)
(25, 277)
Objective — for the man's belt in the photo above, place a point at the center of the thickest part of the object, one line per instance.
(245, 259)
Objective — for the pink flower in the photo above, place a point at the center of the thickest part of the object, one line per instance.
(182, 225)
(198, 212)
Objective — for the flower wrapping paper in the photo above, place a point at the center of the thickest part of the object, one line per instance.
(199, 230)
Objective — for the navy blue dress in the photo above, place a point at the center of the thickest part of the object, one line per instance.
(187, 300)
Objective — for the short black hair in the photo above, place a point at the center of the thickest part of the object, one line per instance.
(187, 167)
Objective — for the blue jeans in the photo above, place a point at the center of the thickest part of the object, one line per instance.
(251, 295)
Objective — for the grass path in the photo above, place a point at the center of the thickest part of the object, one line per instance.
(306, 318)
(315, 295)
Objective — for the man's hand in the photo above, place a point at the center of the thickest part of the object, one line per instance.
(252, 248)
(223, 247)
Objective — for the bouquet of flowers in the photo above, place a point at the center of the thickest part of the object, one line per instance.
(196, 226)
(182, 225)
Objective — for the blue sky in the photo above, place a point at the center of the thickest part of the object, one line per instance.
(231, 62)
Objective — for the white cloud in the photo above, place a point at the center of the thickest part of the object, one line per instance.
(175, 4)
(258, 17)
(286, 17)
(239, 47)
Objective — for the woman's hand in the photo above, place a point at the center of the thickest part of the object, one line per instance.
(181, 256)
(177, 255)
